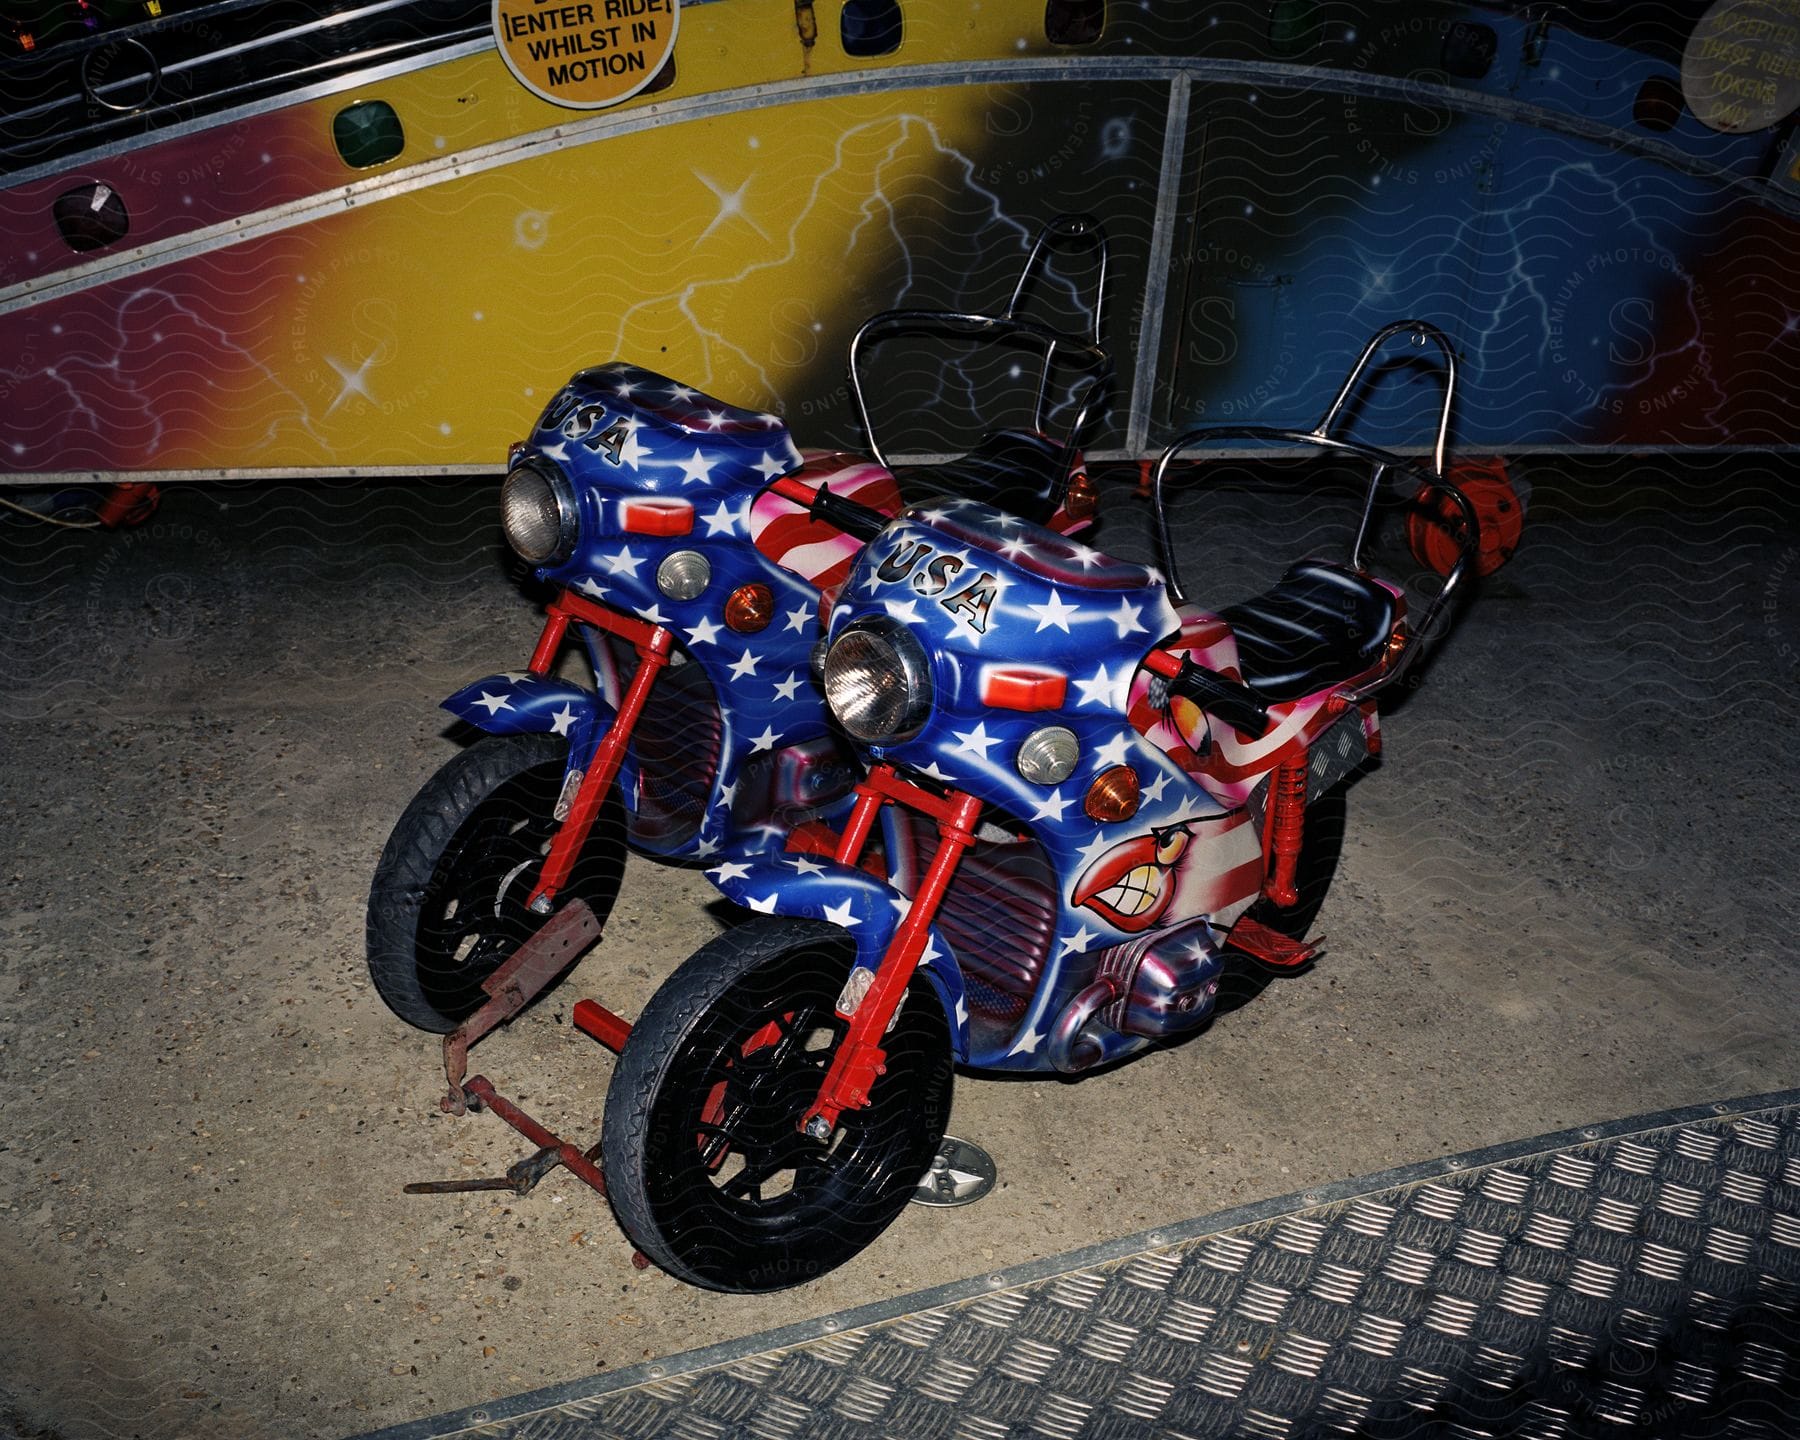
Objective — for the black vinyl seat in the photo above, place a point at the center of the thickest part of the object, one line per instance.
(1012, 470)
(1321, 624)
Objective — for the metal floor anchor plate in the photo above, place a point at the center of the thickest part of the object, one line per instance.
(1637, 1278)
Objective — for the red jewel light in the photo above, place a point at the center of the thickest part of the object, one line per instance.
(1023, 687)
(656, 517)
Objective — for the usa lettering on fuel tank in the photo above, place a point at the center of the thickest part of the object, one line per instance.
(933, 578)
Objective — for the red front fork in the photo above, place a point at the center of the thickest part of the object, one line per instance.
(860, 1059)
(652, 644)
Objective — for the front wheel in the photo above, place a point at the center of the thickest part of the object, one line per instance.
(447, 907)
(705, 1163)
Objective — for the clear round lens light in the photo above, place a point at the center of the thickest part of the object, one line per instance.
(1048, 755)
(683, 575)
(537, 516)
(876, 682)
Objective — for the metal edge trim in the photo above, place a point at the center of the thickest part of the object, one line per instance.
(462, 164)
(37, 478)
(1162, 250)
(267, 472)
(1337, 1192)
(113, 150)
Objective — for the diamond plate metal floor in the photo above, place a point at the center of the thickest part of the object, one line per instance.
(1637, 1278)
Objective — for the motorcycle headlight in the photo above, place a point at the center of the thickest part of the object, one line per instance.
(537, 512)
(877, 682)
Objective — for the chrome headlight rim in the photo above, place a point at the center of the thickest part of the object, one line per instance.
(568, 516)
(909, 662)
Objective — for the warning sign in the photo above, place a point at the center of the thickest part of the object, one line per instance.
(589, 54)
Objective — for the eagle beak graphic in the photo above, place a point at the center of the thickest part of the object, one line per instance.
(1131, 885)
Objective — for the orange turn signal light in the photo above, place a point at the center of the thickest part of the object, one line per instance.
(1081, 499)
(750, 608)
(1113, 796)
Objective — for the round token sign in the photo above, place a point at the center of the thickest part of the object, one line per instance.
(585, 54)
(1741, 69)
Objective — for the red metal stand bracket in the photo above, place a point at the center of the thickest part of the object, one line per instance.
(515, 985)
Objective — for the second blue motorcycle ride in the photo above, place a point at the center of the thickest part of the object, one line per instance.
(1082, 789)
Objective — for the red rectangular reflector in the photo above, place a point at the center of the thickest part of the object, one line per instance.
(656, 517)
(1023, 687)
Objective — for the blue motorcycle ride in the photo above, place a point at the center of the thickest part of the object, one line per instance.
(689, 542)
(1083, 788)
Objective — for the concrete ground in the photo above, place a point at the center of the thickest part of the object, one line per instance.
(1567, 895)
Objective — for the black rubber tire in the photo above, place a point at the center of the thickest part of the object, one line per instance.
(478, 820)
(1321, 843)
(714, 1227)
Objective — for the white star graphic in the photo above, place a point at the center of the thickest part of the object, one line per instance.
(786, 689)
(1027, 1044)
(731, 206)
(494, 703)
(841, 914)
(930, 952)
(1055, 613)
(764, 741)
(721, 521)
(931, 768)
(905, 611)
(976, 741)
(730, 870)
(1098, 691)
(705, 633)
(962, 1014)
(1015, 547)
(561, 721)
(356, 382)
(707, 846)
(1094, 849)
(728, 793)
(624, 563)
(653, 613)
(807, 867)
(764, 906)
(901, 905)
(1126, 618)
(588, 586)
(797, 618)
(769, 467)
(1052, 808)
(744, 665)
(1086, 556)
(715, 419)
(631, 453)
(1079, 941)
(1111, 753)
(1156, 788)
(681, 393)
(696, 469)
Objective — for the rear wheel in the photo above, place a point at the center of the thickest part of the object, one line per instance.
(447, 906)
(705, 1163)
